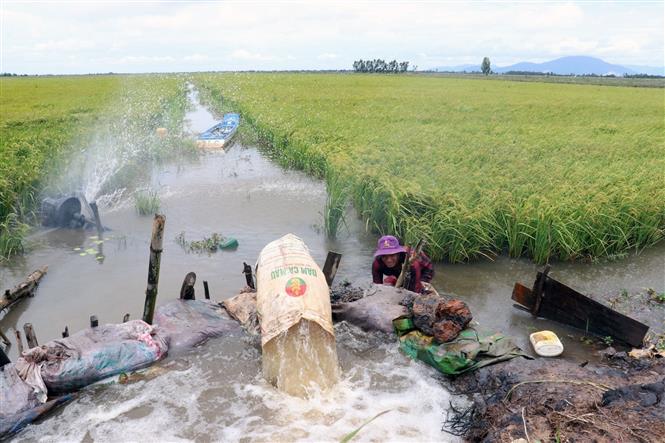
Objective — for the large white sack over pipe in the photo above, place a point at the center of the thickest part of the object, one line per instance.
(293, 304)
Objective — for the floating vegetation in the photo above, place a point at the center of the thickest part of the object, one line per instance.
(207, 244)
(475, 167)
(147, 202)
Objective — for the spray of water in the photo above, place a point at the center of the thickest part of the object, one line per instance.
(113, 157)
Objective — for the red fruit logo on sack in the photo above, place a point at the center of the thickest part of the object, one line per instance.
(296, 287)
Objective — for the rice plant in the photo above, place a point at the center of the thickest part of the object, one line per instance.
(12, 233)
(336, 202)
(477, 167)
(147, 202)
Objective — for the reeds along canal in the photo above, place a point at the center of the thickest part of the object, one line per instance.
(217, 392)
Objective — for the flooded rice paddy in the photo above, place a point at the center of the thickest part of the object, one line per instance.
(216, 392)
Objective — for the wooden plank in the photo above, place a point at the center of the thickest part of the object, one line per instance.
(24, 289)
(187, 289)
(331, 266)
(565, 305)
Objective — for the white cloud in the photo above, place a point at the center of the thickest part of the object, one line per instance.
(243, 54)
(196, 58)
(327, 56)
(159, 36)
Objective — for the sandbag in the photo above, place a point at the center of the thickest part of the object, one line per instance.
(93, 354)
(184, 324)
(12, 423)
(16, 396)
(290, 287)
(242, 308)
(375, 311)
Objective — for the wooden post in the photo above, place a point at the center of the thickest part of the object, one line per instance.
(5, 340)
(187, 289)
(206, 290)
(153, 267)
(4, 360)
(65, 333)
(94, 322)
(19, 342)
(30, 336)
(331, 265)
(98, 220)
(247, 270)
(125, 319)
(538, 291)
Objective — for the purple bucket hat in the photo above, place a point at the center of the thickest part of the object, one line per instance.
(388, 245)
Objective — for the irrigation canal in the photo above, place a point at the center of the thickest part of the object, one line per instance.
(216, 392)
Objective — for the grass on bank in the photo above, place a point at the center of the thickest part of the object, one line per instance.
(51, 126)
(475, 167)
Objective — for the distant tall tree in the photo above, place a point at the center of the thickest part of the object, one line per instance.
(485, 66)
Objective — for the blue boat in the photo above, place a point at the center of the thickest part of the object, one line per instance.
(220, 134)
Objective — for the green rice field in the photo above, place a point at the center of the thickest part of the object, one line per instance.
(45, 121)
(476, 167)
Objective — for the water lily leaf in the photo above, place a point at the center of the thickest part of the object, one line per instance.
(91, 251)
(77, 249)
(83, 253)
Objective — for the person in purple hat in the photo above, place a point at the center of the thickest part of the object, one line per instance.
(389, 259)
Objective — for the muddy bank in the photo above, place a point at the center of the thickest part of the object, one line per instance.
(558, 400)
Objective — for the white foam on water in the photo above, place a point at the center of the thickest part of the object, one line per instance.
(223, 397)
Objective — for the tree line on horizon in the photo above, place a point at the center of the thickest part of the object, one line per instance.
(380, 65)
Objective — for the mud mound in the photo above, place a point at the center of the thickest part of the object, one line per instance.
(556, 400)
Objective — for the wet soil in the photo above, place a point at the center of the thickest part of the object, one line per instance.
(557, 400)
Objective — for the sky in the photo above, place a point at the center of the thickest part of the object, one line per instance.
(77, 37)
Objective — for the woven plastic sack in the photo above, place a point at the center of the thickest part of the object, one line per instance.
(375, 311)
(290, 287)
(467, 352)
(93, 354)
(184, 324)
(19, 405)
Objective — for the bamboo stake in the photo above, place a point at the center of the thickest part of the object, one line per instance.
(94, 322)
(30, 336)
(206, 290)
(153, 267)
(247, 270)
(19, 342)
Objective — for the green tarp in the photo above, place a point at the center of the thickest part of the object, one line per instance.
(467, 352)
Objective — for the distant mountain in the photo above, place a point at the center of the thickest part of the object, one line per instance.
(576, 65)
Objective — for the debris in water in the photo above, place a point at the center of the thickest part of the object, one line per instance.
(207, 244)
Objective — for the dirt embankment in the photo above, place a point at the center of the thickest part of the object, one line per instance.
(558, 400)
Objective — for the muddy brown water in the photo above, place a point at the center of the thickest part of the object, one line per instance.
(217, 392)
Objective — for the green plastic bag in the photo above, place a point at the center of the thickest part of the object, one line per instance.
(467, 352)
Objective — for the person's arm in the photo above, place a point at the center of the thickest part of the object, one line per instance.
(377, 275)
